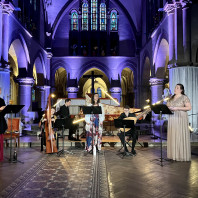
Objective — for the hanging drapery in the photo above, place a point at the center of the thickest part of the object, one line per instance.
(188, 76)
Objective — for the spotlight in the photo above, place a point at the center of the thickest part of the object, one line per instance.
(53, 95)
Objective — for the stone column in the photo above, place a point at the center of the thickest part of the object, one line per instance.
(1, 8)
(72, 92)
(41, 96)
(116, 93)
(7, 10)
(169, 9)
(156, 89)
(186, 31)
(47, 93)
(25, 95)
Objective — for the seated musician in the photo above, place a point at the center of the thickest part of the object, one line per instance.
(64, 113)
(131, 132)
(42, 126)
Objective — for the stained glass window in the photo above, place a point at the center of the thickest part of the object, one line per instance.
(74, 21)
(94, 8)
(114, 21)
(85, 16)
(103, 19)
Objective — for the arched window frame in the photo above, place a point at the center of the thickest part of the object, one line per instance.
(103, 17)
(94, 14)
(114, 20)
(85, 17)
(74, 20)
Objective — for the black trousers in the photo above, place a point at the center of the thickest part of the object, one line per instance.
(72, 130)
(131, 133)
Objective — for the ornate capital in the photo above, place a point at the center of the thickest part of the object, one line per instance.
(25, 81)
(115, 90)
(170, 7)
(7, 8)
(156, 81)
(72, 89)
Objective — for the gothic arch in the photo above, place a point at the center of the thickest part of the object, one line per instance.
(40, 69)
(162, 34)
(17, 35)
(127, 85)
(93, 64)
(60, 79)
(146, 55)
(85, 84)
(132, 66)
(64, 10)
(161, 59)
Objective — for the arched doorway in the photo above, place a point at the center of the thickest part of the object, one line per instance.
(85, 84)
(60, 83)
(127, 85)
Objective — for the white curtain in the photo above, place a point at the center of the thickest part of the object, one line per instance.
(188, 76)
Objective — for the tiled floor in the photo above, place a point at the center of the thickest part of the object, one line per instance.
(139, 176)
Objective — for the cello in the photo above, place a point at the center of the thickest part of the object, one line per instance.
(49, 132)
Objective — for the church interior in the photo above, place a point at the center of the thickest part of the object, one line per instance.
(70, 70)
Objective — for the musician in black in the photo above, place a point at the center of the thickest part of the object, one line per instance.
(3, 126)
(132, 132)
(42, 126)
(64, 113)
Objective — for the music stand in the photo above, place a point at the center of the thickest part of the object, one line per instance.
(63, 124)
(10, 109)
(161, 109)
(92, 110)
(119, 123)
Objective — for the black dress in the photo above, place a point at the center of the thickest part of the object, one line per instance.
(3, 124)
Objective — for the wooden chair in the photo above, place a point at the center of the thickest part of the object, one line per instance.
(15, 130)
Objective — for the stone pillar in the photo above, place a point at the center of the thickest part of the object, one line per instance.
(41, 96)
(72, 92)
(179, 53)
(156, 89)
(7, 10)
(1, 8)
(169, 9)
(116, 93)
(47, 93)
(25, 95)
(186, 32)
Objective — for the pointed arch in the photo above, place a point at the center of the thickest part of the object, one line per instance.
(114, 20)
(103, 17)
(85, 17)
(74, 20)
